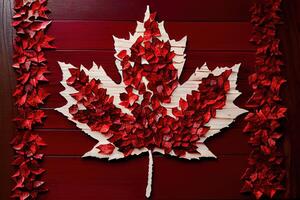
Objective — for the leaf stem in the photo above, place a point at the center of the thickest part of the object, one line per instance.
(150, 172)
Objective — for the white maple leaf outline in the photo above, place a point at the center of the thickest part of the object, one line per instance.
(224, 116)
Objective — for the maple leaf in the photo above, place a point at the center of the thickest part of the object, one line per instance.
(150, 111)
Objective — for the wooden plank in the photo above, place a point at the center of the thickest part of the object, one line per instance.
(201, 35)
(290, 40)
(6, 101)
(75, 178)
(106, 59)
(74, 142)
(56, 120)
(55, 100)
(219, 43)
(169, 10)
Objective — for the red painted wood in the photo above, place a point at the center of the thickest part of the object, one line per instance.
(209, 39)
(201, 35)
(217, 34)
(71, 142)
(190, 10)
(107, 61)
(76, 178)
(7, 127)
(290, 40)
(56, 100)
(55, 120)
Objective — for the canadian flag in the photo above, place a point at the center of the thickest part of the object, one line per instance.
(150, 111)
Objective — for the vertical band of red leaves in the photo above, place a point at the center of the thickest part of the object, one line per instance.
(30, 21)
(265, 175)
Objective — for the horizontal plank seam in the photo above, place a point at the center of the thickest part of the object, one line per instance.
(155, 155)
(181, 21)
(75, 129)
(250, 51)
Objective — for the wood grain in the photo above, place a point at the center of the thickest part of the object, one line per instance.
(218, 32)
(106, 59)
(74, 142)
(6, 102)
(56, 100)
(116, 10)
(83, 35)
(219, 39)
(76, 178)
(290, 37)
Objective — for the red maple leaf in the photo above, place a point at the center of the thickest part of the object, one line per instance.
(150, 111)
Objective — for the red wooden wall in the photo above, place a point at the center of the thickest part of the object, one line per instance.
(218, 33)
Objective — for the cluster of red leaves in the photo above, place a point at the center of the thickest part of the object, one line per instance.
(265, 175)
(149, 125)
(158, 70)
(30, 21)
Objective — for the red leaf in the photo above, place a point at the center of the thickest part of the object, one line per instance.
(104, 128)
(183, 104)
(122, 54)
(106, 149)
(39, 25)
(38, 171)
(73, 109)
(22, 100)
(258, 194)
(37, 184)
